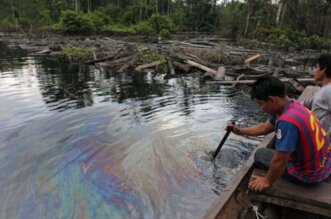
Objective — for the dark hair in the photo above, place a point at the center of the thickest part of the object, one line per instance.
(266, 86)
(324, 61)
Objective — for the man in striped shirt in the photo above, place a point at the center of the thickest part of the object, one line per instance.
(302, 154)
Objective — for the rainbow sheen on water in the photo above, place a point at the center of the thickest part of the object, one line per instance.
(84, 142)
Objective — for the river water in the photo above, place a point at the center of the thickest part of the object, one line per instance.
(85, 142)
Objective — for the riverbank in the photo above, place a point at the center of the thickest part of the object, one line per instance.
(214, 58)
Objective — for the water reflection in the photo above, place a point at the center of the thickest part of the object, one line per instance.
(84, 142)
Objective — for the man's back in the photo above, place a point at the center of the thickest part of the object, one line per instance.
(310, 161)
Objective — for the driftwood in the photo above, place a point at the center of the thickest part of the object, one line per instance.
(148, 65)
(188, 56)
(297, 85)
(252, 81)
(126, 50)
(118, 61)
(220, 75)
(197, 65)
(181, 66)
(195, 45)
(238, 78)
(258, 70)
(252, 58)
(129, 63)
(171, 67)
(276, 72)
(101, 59)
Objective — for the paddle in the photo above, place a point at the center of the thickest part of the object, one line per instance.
(228, 131)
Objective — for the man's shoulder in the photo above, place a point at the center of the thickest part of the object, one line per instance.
(325, 89)
(323, 95)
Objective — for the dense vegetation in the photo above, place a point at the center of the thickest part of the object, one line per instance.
(295, 23)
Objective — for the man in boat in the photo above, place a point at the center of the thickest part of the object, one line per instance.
(320, 102)
(302, 154)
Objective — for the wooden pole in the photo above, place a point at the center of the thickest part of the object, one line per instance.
(228, 131)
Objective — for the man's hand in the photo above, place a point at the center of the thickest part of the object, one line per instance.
(235, 129)
(259, 183)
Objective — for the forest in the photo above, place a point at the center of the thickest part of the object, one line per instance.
(304, 23)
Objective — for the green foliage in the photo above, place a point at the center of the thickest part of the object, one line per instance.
(77, 54)
(232, 18)
(76, 22)
(165, 33)
(137, 12)
(113, 13)
(285, 37)
(317, 42)
(131, 15)
(229, 19)
(144, 28)
(43, 18)
(119, 29)
(150, 57)
(98, 18)
(264, 13)
(179, 20)
(55, 28)
(7, 25)
(160, 22)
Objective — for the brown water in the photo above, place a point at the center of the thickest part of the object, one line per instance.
(84, 142)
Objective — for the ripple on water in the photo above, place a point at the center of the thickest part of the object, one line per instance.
(81, 142)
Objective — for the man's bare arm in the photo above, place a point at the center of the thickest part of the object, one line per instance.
(276, 169)
(255, 130)
(277, 165)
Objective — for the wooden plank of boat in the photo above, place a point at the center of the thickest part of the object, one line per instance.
(233, 201)
(315, 200)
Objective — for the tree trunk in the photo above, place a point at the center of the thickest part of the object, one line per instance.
(280, 7)
(88, 6)
(283, 12)
(13, 13)
(156, 7)
(249, 13)
(324, 23)
(169, 2)
(76, 5)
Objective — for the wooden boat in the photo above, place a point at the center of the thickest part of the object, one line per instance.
(287, 199)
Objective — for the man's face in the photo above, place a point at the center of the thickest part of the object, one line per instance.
(267, 106)
(319, 73)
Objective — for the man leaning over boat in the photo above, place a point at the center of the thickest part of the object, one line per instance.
(302, 153)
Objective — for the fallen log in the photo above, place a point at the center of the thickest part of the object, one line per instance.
(128, 64)
(101, 59)
(237, 80)
(220, 73)
(252, 81)
(181, 66)
(252, 58)
(126, 50)
(194, 45)
(148, 65)
(197, 65)
(297, 85)
(276, 72)
(171, 67)
(118, 61)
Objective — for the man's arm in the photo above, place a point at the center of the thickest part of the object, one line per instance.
(276, 169)
(259, 129)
